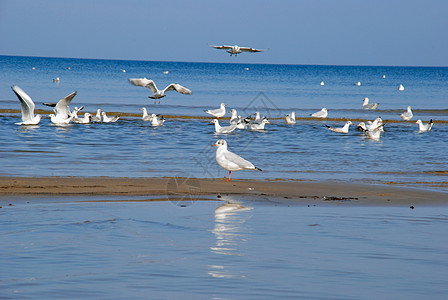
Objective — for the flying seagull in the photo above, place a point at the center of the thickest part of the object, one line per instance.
(157, 94)
(28, 106)
(235, 50)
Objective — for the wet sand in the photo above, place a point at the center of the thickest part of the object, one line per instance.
(172, 188)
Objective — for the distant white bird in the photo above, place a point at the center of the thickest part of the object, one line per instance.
(407, 115)
(291, 118)
(424, 127)
(384, 76)
(217, 113)
(323, 113)
(235, 50)
(157, 94)
(322, 83)
(343, 129)
(231, 161)
(165, 72)
(84, 120)
(56, 80)
(145, 116)
(358, 83)
(234, 117)
(367, 105)
(156, 121)
(401, 87)
(260, 126)
(61, 108)
(230, 208)
(107, 119)
(97, 117)
(27, 106)
(223, 129)
(123, 70)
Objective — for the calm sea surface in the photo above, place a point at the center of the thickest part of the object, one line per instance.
(306, 151)
(65, 248)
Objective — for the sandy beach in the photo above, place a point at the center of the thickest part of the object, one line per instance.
(171, 188)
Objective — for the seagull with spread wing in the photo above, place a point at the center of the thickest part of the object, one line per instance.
(157, 94)
(235, 50)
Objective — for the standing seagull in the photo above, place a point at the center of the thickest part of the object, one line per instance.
(424, 127)
(148, 83)
(235, 50)
(107, 119)
(343, 129)
(407, 115)
(231, 161)
(217, 113)
(28, 106)
(323, 113)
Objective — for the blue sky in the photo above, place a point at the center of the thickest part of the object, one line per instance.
(325, 32)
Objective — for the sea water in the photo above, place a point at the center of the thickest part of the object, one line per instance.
(182, 147)
(75, 247)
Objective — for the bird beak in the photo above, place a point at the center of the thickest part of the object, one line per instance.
(213, 145)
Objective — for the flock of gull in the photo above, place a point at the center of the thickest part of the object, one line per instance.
(225, 158)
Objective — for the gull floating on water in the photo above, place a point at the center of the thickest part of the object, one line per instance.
(424, 127)
(28, 106)
(231, 161)
(358, 83)
(374, 133)
(145, 116)
(235, 50)
(84, 120)
(223, 129)
(407, 115)
(57, 80)
(401, 87)
(61, 108)
(234, 117)
(217, 113)
(107, 119)
(156, 121)
(370, 125)
(260, 126)
(157, 94)
(323, 113)
(291, 118)
(97, 117)
(229, 208)
(343, 129)
(322, 83)
(367, 105)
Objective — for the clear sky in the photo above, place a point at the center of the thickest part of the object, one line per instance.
(325, 32)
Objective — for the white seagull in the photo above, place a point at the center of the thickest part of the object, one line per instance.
(401, 87)
(157, 94)
(223, 129)
(291, 118)
(374, 133)
(323, 113)
(234, 117)
(260, 126)
(107, 119)
(97, 117)
(217, 113)
(155, 121)
(60, 120)
(358, 83)
(371, 125)
(343, 129)
(145, 116)
(84, 120)
(28, 106)
(231, 161)
(367, 105)
(407, 115)
(424, 127)
(62, 108)
(235, 50)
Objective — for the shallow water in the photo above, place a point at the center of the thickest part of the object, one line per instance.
(66, 248)
(306, 151)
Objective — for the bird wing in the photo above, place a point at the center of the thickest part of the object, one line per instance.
(26, 103)
(144, 82)
(178, 88)
(222, 47)
(238, 161)
(248, 49)
(62, 108)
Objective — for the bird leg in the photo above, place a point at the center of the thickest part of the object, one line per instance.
(229, 175)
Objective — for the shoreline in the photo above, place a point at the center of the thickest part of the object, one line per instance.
(178, 189)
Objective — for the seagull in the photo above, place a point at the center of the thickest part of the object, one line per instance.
(155, 121)
(258, 118)
(28, 106)
(343, 129)
(97, 117)
(260, 126)
(322, 83)
(291, 118)
(217, 113)
(145, 116)
(74, 113)
(424, 127)
(323, 113)
(85, 120)
(57, 80)
(225, 129)
(62, 108)
(231, 161)
(229, 208)
(107, 119)
(401, 87)
(374, 133)
(407, 115)
(60, 120)
(242, 123)
(358, 83)
(367, 105)
(234, 117)
(235, 50)
(144, 82)
(370, 125)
